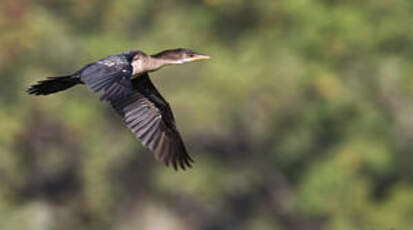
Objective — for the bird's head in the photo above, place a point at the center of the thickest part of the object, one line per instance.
(179, 56)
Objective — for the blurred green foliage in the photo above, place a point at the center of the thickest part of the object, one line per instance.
(302, 119)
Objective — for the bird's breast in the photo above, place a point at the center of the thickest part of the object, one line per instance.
(137, 68)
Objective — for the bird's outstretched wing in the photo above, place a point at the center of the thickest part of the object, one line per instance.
(112, 75)
(146, 113)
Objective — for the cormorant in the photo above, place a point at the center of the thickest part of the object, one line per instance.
(125, 83)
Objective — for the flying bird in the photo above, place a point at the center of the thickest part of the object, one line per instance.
(124, 82)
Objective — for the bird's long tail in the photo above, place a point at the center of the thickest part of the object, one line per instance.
(53, 85)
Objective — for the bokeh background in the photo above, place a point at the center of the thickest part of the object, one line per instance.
(302, 120)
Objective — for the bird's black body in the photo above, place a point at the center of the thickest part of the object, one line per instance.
(143, 110)
(112, 70)
(112, 73)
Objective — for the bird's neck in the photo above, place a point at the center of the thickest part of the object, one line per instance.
(155, 63)
(150, 64)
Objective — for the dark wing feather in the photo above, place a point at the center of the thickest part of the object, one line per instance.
(112, 75)
(146, 113)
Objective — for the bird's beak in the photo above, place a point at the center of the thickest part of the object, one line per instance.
(200, 57)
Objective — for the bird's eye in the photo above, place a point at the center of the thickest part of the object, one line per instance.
(191, 55)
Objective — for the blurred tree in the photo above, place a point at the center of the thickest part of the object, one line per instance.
(302, 119)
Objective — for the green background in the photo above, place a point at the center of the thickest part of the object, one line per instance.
(302, 119)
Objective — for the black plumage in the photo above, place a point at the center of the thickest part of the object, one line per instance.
(142, 108)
